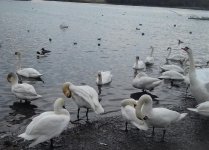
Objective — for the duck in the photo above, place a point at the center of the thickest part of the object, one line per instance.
(44, 51)
(47, 125)
(199, 88)
(150, 59)
(26, 72)
(176, 57)
(144, 82)
(202, 109)
(22, 91)
(129, 114)
(156, 117)
(84, 96)
(139, 64)
(172, 67)
(103, 77)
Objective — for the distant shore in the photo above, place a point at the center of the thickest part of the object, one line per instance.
(115, 2)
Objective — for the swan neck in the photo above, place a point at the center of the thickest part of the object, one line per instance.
(152, 51)
(192, 65)
(169, 53)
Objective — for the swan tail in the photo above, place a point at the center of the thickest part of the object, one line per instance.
(39, 140)
(192, 109)
(99, 109)
(141, 125)
(157, 83)
(26, 136)
(182, 116)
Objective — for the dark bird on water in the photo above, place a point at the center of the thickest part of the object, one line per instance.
(99, 44)
(179, 42)
(50, 39)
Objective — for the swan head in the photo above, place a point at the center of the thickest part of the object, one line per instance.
(99, 74)
(18, 54)
(66, 89)
(11, 77)
(137, 57)
(59, 104)
(186, 49)
(130, 102)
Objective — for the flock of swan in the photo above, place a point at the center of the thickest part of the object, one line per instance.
(140, 113)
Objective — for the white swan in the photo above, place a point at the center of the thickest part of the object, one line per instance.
(144, 82)
(139, 64)
(22, 91)
(202, 109)
(84, 96)
(176, 57)
(104, 77)
(172, 75)
(172, 67)
(129, 114)
(26, 72)
(47, 125)
(156, 117)
(199, 88)
(150, 59)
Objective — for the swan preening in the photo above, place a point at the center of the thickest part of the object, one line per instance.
(84, 96)
(139, 64)
(26, 72)
(22, 91)
(199, 88)
(150, 59)
(47, 125)
(156, 117)
(129, 114)
(103, 77)
(144, 82)
(202, 109)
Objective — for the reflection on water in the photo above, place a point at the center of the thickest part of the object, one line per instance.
(20, 112)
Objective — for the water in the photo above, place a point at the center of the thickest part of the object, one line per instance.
(79, 64)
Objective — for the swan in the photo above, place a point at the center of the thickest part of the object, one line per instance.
(84, 96)
(202, 109)
(199, 88)
(103, 77)
(129, 114)
(22, 91)
(176, 57)
(47, 125)
(172, 67)
(26, 72)
(144, 82)
(156, 117)
(150, 59)
(172, 75)
(139, 64)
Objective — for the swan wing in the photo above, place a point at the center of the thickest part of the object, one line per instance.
(90, 95)
(48, 125)
(29, 72)
(25, 89)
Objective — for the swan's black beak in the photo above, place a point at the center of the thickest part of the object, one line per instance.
(145, 118)
(63, 106)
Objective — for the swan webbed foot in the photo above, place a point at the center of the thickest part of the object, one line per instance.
(87, 111)
(153, 131)
(126, 124)
(78, 114)
(164, 131)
